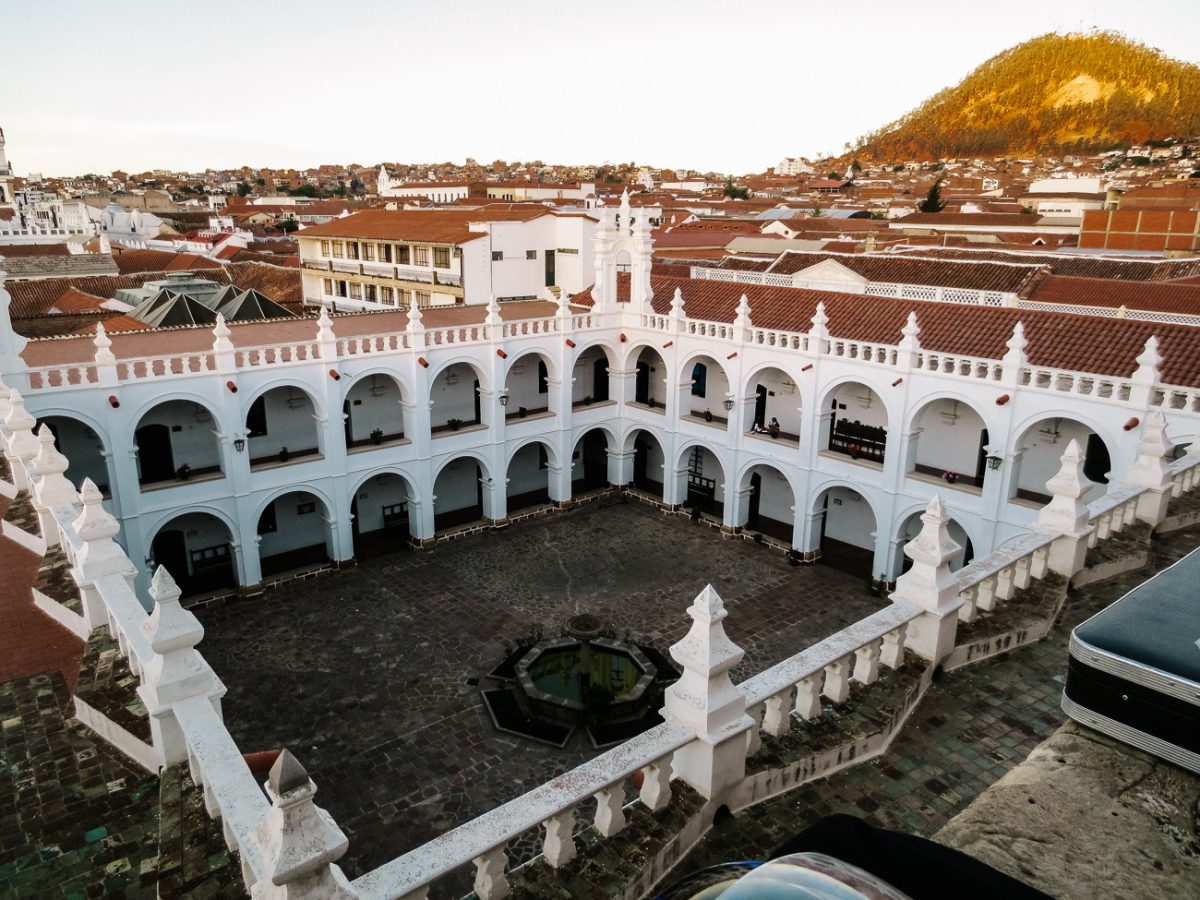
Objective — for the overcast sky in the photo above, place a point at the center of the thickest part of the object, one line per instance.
(733, 85)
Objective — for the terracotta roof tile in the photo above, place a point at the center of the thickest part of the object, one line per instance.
(443, 226)
(1156, 296)
(1059, 340)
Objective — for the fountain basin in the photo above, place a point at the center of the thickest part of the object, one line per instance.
(571, 681)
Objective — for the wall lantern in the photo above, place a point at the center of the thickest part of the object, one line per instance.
(993, 462)
(504, 398)
(728, 404)
(239, 444)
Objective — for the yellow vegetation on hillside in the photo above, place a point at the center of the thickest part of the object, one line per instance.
(1054, 93)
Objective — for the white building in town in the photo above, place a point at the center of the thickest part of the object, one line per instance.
(381, 259)
(236, 455)
(514, 191)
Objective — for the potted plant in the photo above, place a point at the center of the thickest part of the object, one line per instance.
(587, 401)
(522, 412)
(650, 402)
(284, 456)
(184, 472)
(377, 436)
(454, 424)
(708, 417)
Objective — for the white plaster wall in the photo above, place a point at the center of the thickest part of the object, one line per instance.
(457, 485)
(850, 520)
(1043, 453)
(195, 442)
(949, 443)
(453, 401)
(783, 399)
(583, 373)
(200, 531)
(375, 404)
(516, 276)
(775, 500)
(862, 405)
(523, 385)
(477, 271)
(290, 423)
(654, 459)
(716, 388)
(524, 475)
(295, 530)
(658, 375)
(378, 492)
(84, 452)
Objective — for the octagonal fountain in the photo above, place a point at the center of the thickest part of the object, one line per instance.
(586, 678)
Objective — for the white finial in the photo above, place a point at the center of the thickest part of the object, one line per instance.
(221, 341)
(415, 316)
(493, 312)
(1148, 362)
(1066, 512)
(743, 313)
(677, 304)
(1151, 468)
(325, 326)
(1017, 343)
(819, 319)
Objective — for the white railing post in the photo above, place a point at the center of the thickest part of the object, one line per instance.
(300, 842)
(558, 848)
(705, 702)
(99, 556)
(52, 488)
(22, 445)
(1144, 379)
(106, 361)
(326, 339)
(656, 785)
(610, 817)
(224, 354)
(490, 881)
(1066, 514)
(176, 671)
(1013, 363)
(930, 585)
(909, 348)
(1152, 471)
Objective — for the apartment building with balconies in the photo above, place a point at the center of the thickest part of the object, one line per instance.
(380, 259)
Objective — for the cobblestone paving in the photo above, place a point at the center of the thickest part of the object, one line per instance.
(363, 673)
(76, 818)
(972, 727)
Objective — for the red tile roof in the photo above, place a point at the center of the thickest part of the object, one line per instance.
(1077, 264)
(34, 250)
(1155, 296)
(74, 300)
(132, 261)
(896, 269)
(442, 226)
(1079, 343)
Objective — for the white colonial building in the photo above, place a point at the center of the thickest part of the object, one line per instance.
(383, 259)
(236, 455)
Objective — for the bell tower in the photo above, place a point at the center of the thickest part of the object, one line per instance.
(622, 245)
(5, 173)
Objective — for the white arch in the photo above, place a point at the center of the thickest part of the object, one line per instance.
(384, 470)
(466, 361)
(743, 476)
(166, 517)
(357, 379)
(471, 454)
(263, 389)
(296, 489)
(551, 452)
(544, 354)
(80, 417)
(919, 405)
(185, 396)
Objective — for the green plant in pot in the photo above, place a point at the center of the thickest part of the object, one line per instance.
(708, 416)
(587, 401)
(651, 402)
(454, 424)
(522, 412)
(184, 472)
(284, 456)
(377, 436)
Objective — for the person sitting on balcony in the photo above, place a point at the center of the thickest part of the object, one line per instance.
(773, 427)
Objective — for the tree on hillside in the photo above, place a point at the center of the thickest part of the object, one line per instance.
(305, 190)
(733, 192)
(243, 189)
(933, 201)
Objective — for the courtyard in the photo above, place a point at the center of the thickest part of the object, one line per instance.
(369, 675)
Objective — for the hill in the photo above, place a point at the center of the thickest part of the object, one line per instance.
(1054, 93)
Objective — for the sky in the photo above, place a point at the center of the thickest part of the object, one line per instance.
(730, 86)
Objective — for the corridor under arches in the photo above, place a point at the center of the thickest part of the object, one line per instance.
(196, 548)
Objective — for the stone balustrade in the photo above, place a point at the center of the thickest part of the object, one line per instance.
(552, 806)
(792, 690)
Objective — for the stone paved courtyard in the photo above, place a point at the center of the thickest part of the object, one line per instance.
(973, 726)
(363, 673)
